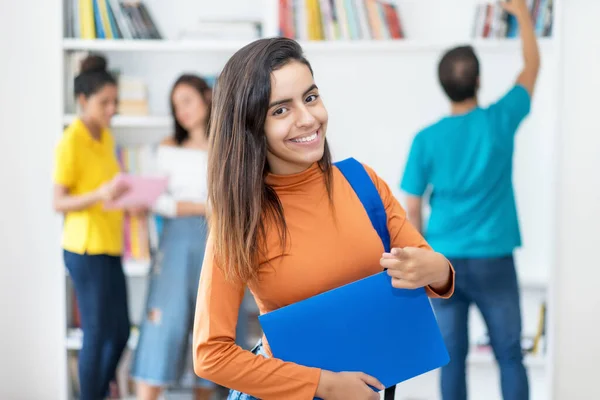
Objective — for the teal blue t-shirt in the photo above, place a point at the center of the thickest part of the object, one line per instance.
(467, 162)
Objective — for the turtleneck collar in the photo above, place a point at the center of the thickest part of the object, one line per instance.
(309, 175)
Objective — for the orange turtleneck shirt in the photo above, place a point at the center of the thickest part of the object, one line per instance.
(324, 251)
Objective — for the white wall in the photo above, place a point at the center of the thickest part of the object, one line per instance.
(31, 275)
(577, 303)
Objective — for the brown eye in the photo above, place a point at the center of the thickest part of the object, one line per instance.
(279, 111)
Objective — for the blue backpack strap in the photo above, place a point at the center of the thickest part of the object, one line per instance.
(365, 189)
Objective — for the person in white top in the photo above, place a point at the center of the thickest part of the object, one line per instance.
(165, 331)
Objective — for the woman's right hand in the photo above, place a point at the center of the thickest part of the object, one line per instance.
(347, 386)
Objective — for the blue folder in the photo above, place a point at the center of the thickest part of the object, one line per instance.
(366, 326)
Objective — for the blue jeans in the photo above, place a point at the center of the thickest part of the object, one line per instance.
(164, 341)
(101, 293)
(165, 333)
(491, 284)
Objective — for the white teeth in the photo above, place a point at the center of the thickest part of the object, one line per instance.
(306, 139)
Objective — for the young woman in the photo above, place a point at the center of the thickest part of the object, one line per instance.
(85, 165)
(164, 343)
(286, 223)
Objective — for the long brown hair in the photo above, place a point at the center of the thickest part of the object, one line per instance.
(242, 204)
(204, 90)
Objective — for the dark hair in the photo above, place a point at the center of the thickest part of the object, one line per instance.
(181, 134)
(458, 72)
(240, 200)
(93, 76)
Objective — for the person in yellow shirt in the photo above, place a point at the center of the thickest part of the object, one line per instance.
(84, 172)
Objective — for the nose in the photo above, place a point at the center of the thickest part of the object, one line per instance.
(304, 117)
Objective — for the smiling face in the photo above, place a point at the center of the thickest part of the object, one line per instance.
(296, 120)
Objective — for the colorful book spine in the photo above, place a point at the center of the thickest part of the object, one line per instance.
(339, 20)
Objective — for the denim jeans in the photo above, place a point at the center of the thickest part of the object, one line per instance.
(164, 342)
(101, 293)
(491, 285)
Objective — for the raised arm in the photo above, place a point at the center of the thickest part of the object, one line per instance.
(531, 53)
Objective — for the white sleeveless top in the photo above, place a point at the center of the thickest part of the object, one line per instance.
(187, 172)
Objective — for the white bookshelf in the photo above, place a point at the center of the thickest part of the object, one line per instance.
(415, 55)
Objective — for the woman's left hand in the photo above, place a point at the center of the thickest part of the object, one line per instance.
(413, 267)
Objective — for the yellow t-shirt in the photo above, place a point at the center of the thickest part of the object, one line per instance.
(82, 164)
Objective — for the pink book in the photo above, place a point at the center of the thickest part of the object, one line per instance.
(142, 191)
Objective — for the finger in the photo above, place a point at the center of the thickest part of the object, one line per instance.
(400, 274)
(390, 263)
(399, 252)
(369, 380)
(404, 284)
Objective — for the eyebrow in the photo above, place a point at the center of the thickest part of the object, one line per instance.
(278, 102)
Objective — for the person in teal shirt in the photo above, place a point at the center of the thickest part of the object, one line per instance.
(462, 165)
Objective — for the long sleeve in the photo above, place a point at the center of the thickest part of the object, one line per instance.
(217, 357)
(402, 233)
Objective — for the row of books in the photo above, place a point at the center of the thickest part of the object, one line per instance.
(109, 19)
(133, 91)
(491, 21)
(339, 20)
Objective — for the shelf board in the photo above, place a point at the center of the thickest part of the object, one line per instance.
(153, 45)
(479, 357)
(127, 121)
(133, 268)
(411, 45)
(230, 46)
(136, 268)
(533, 283)
(74, 339)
